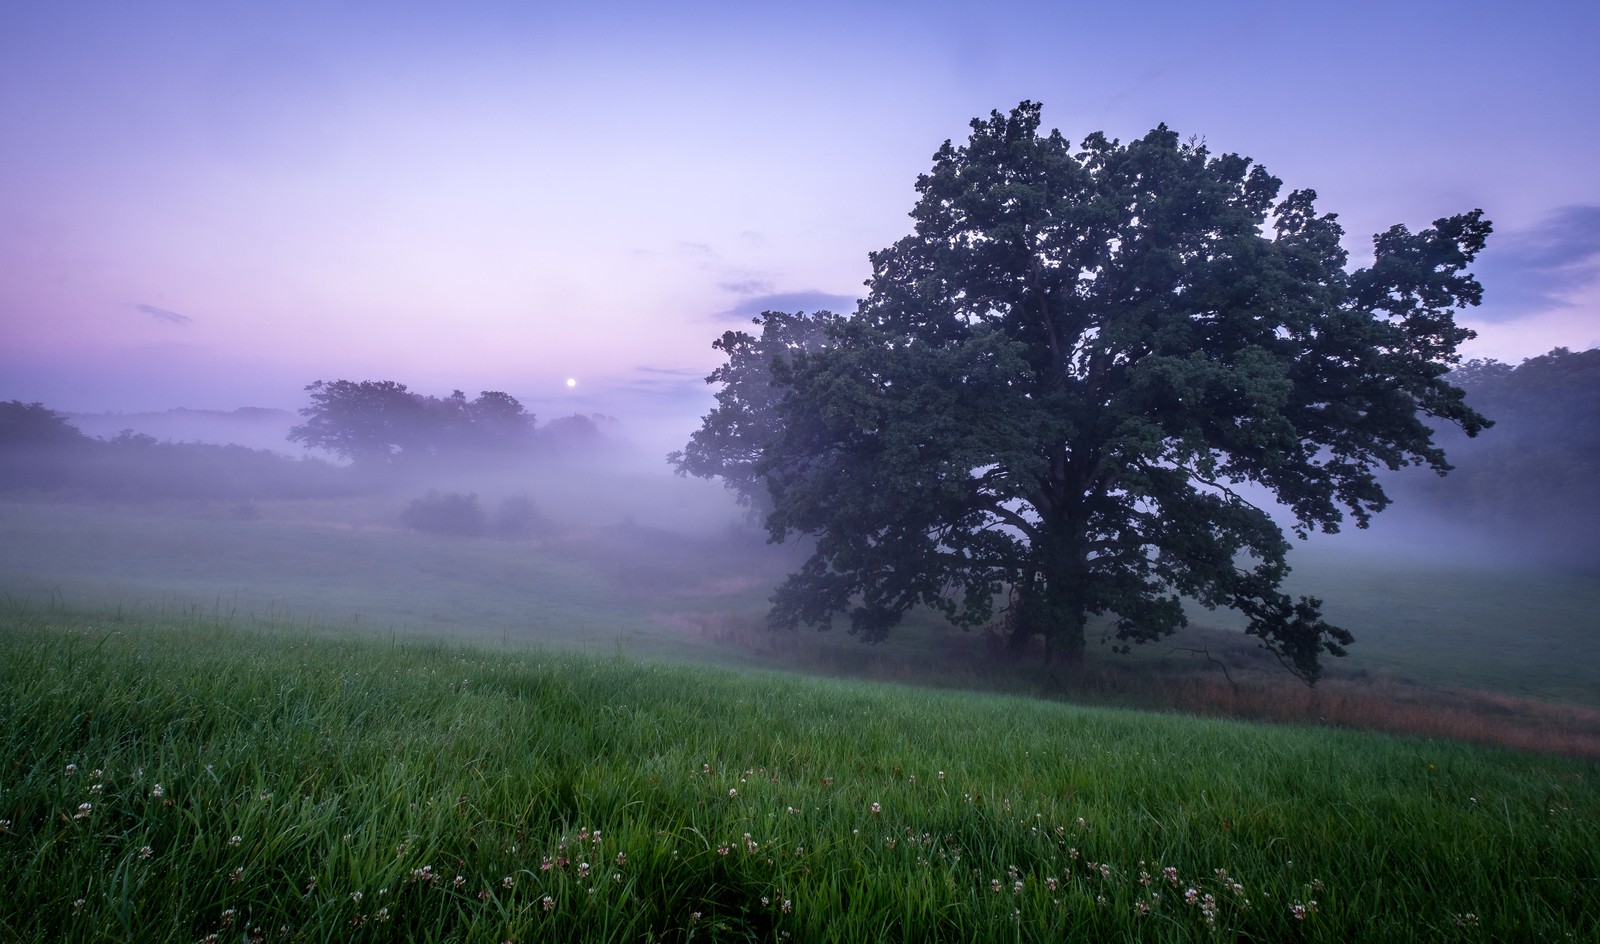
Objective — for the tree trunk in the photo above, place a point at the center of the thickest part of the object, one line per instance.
(1051, 607)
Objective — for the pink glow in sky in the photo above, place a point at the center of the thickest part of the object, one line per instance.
(212, 204)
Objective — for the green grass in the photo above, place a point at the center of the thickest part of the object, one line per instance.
(342, 569)
(319, 789)
(1521, 631)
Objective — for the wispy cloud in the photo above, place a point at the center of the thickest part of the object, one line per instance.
(746, 285)
(164, 314)
(669, 371)
(809, 300)
(667, 384)
(1539, 269)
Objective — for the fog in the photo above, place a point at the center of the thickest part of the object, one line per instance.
(585, 470)
(582, 536)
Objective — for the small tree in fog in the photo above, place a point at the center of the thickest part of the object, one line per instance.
(373, 423)
(382, 424)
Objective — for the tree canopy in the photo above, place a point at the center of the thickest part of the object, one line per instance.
(380, 423)
(1063, 380)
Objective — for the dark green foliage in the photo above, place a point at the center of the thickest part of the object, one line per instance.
(1061, 382)
(450, 513)
(729, 443)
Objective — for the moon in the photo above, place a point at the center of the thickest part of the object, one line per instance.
(572, 381)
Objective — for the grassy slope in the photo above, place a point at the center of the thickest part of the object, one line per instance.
(338, 790)
(1517, 629)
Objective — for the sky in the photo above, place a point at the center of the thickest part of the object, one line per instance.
(213, 204)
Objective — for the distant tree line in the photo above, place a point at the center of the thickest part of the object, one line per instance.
(386, 434)
(1533, 480)
(42, 452)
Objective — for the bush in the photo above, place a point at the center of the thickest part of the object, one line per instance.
(450, 513)
(519, 517)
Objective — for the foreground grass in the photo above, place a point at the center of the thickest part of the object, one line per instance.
(166, 781)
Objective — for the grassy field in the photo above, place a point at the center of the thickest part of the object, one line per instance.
(173, 779)
(1465, 623)
(1457, 648)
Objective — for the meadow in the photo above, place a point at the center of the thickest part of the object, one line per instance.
(174, 779)
(306, 723)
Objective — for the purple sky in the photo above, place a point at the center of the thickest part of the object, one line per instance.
(212, 204)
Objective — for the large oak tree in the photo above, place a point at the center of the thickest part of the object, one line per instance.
(1076, 384)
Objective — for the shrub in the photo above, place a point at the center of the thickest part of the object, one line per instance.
(450, 513)
(519, 517)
